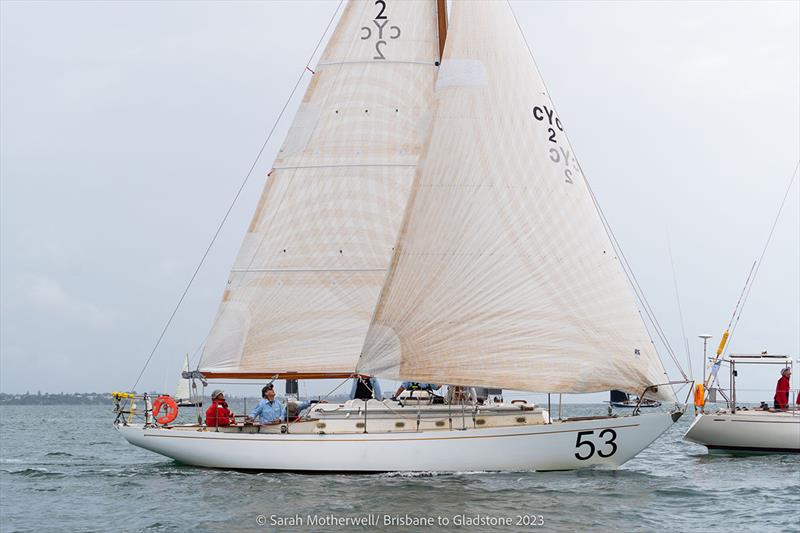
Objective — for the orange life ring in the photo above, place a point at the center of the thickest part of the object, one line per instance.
(171, 409)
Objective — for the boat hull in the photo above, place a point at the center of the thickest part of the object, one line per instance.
(747, 432)
(565, 445)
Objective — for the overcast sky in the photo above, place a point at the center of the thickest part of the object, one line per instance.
(126, 129)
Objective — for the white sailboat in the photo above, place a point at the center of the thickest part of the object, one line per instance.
(426, 219)
(184, 395)
(736, 430)
(739, 430)
(622, 399)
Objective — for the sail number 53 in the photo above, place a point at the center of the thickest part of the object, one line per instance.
(587, 448)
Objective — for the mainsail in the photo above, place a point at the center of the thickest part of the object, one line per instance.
(304, 286)
(503, 274)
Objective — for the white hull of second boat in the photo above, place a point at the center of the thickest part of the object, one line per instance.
(747, 432)
(566, 445)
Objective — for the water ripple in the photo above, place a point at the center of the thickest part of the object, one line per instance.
(670, 486)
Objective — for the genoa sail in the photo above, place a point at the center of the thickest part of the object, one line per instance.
(304, 285)
(503, 274)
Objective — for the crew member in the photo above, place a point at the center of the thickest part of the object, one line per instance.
(218, 413)
(782, 389)
(268, 410)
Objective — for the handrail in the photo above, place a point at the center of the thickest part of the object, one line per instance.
(656, 385)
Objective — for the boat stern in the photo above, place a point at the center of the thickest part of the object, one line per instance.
(746, 432)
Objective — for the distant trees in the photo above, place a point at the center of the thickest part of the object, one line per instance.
(77, 398)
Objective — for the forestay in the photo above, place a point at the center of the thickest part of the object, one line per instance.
(503, 273)
(310, 270)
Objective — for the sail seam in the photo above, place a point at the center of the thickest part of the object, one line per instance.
(347, 166)
(308, 270)
(384, 62)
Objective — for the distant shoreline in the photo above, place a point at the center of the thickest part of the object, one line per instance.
(95, 398)
(47, 398)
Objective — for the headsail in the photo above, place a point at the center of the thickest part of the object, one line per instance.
(503, 273)
(307, 277)
(183, 393)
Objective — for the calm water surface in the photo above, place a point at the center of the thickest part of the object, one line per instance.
(66, 468)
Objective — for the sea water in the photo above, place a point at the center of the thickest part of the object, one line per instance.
(66, 468)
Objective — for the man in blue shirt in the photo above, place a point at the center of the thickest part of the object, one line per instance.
(268, 410)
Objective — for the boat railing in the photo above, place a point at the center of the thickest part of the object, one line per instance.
(654, 388)
(130, 407)
(734, 361)
(727, 396)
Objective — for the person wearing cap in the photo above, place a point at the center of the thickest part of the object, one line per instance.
(268, 410)
(218, 414)
(782, 389)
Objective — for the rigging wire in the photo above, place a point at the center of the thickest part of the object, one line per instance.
(680, 311)
(198, 351)
(635, 283)
(757, 264)
(741, 294)
(710, 364)
(294, 168)
(236, 196)
(625, 265)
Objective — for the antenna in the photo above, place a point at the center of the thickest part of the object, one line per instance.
(705, 337)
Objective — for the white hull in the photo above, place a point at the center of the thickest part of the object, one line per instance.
(542, 447)
(747, 431)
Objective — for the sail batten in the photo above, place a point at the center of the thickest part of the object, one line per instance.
(503, 274)
(304, 285)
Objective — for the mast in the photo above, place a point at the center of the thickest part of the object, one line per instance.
(441, 14)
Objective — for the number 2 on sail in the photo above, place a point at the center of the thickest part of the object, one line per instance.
(380, 21)
(611, 440)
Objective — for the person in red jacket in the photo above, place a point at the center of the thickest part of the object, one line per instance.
(218, 413)
(782, 389)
